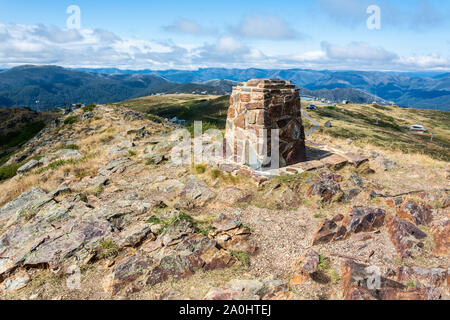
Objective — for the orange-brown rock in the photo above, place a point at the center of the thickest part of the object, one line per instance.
(329, 231)
(441, 236)
(360, 282)
(424, 278)
(305, 267)
(416, 212)
(405, 236)
(364, 219)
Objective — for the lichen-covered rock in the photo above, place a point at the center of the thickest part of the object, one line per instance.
(178, 230)
(306, 266)
(328, 189)
(197, 191)
(361, 282)
(424, 278)
(441, 237)
(248, 290)
(67, 154)
(405, 236)
(66, 242)
(364, 219)
(416, 212)
(27, 200)
(116, 166)
(135, 235)
(126, 272)
(16, 282)
(329, 231)
(28, 166)
(232, 235)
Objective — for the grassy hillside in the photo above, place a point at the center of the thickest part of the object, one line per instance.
(17, 126)
(212, 109)
(356, 122)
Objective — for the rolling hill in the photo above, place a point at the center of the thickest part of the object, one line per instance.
(428, 90)
(46, 87)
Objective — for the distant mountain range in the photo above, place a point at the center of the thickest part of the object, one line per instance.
(50, 86)
(430, 90)
(46, 87)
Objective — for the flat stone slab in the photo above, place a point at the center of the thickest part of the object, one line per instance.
(309, 165)
(356, 159)
(335, 161)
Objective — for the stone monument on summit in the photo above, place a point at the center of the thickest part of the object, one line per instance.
(264, 124)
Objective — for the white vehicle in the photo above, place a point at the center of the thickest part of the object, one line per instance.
(418, 128)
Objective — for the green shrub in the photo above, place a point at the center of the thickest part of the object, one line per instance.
(71, 120)
(200, 168)
(107, 249)
(59, 163)
(89, 108)
(216, 173)
(71, 147)
(242, 256)
(7, 172)
(205, 127)
(154, 118)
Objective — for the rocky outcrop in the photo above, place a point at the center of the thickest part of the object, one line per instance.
(305, 267)
(28, 166)
(327, 188)
(329, 231)
(29, 200)
(364, 219)
(197, 192)
(232, 235)
(441, 238)
(405, 236)
(363, 282)
(416, 212)
(358, 220)
(248, 290)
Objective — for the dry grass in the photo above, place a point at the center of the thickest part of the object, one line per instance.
(196, 286)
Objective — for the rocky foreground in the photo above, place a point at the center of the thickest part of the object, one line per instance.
(99, 212)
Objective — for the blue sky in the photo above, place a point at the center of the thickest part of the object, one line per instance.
(317, 34)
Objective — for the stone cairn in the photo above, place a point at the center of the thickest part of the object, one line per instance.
(260, 112)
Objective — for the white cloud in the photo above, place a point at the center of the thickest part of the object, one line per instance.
(357, 51)
(188, 27)
(269, 27)
(430, 61)
(22, 44)
(230, 45)
(311, 56)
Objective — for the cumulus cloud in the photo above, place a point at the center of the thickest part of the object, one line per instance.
(188, 27)
(41, 44)
(358, 51)
(22, 44)
(430, 61)
(268, 27)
